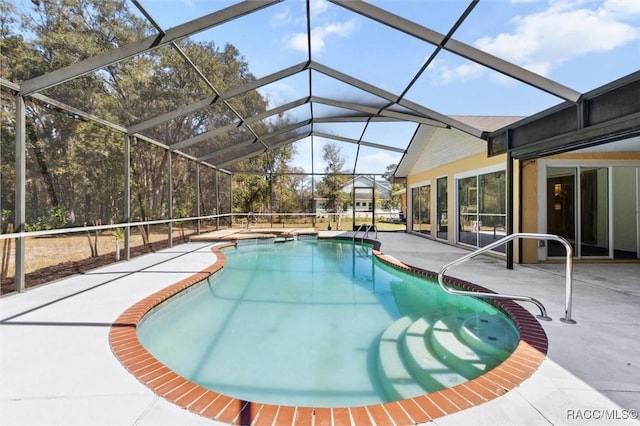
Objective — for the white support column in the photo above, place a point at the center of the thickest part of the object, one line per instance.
(313, 189)
(170, 197)
(127, 196)
(20, 196)
(373, 201)
(218, 200)
(198, 212)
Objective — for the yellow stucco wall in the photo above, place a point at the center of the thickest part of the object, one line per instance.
(528, 198)
(477, 161)
(450, 170)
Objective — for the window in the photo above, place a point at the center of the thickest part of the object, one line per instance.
(482, 207)
(441, 205)
(421, 209)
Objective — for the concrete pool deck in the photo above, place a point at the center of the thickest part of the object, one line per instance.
(57, 367)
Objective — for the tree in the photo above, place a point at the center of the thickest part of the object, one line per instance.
(331, 186)
(388, 174)
(75, 166)
(267, 188)
(393, 202)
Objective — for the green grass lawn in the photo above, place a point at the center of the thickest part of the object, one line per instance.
(346, 223)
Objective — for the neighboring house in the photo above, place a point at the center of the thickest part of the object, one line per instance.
(457, 193)
(364, 194)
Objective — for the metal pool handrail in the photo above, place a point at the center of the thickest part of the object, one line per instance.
(367, 228)
(358, 230)
(370, 227)
(543, 312)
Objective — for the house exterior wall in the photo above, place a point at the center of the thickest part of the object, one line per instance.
(448, 146)
(534, 193)
(451, 154)
(529, 198)
(451, 171)
(456, 156)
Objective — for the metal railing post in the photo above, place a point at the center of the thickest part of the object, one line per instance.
(568, 287)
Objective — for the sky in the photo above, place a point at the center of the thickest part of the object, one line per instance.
(581, 44)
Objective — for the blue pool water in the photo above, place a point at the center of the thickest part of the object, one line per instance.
(324, 324)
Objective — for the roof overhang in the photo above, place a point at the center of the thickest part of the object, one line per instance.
(607, 114)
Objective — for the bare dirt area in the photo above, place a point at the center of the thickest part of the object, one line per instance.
(54, 257)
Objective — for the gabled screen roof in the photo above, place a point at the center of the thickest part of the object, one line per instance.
(366, 74)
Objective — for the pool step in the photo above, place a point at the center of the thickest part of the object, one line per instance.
(423, 362)
(421, 355)
(490, 334)
(454, 351)
(396, 379)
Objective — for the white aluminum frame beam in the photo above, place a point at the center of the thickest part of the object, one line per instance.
(385, 115)
(376, 111)
(419, 109)
(355, 119)
(285, 129)
(229, 148)
(91, 117)
(277, 110)
(197, 106)
(94, 63)
(359, 142)
(262, 151)
(236, 124)
(265, 138)
(461, 49)
(206, 136)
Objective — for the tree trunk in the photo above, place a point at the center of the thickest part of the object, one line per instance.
(42, 163)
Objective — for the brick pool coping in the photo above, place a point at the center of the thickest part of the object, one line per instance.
(520, 365)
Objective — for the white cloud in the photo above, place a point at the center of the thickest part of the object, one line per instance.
(542, 41)
(319, 35)
(447, 74)
(281, 18)
(278, 94)
(621, 8)
(297, 41)
(317, 7)
(377, 161)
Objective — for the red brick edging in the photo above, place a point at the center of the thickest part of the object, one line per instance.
(519, 366)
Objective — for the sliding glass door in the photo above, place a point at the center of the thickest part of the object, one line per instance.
(482, 209)
(625, 184)
(594, 211)
(561, 207)
(441, 209)
(421, 209)
(578, 210)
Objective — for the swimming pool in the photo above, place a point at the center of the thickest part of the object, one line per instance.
(324, 324)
